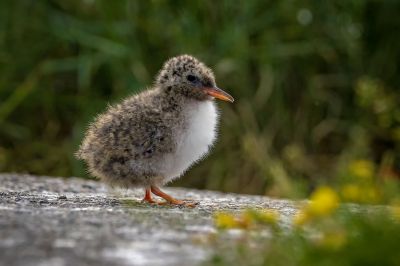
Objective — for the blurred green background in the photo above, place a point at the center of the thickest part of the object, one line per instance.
(316, 84)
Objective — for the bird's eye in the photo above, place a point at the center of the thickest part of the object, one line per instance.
(191, 78)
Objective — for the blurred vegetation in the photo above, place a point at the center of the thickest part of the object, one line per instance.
(323, 232)
(316, 84)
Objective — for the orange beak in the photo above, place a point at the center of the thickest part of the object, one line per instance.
(218, 93)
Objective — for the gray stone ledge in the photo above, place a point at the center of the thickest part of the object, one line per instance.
(70, 221)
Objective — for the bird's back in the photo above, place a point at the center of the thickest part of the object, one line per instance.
(129, 139)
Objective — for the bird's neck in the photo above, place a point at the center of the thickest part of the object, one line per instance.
(171, 100)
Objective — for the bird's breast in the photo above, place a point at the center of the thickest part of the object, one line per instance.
(195, 137)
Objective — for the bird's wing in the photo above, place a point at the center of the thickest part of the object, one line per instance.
(152, 137)
(141, 134)
(130, 131)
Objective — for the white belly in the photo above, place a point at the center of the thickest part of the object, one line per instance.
(196, 139)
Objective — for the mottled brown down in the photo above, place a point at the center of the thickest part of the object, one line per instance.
(127, 145)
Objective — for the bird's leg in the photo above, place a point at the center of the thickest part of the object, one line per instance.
(170, 199)
(147, 197)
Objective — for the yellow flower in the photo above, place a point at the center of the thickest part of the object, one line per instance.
(351, 192)
(225, 220)
(323, 202)
(363, 169)
(246, 219)
(268, 216)
(302, 217)
(251, 217)
(363, 194)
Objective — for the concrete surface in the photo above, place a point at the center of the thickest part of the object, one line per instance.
(57, 221)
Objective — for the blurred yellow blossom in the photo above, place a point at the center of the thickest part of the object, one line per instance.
(301, 218)
(351, 192)
(267, 216)
(246, 219)
(362, 168)
(225, 220)
(323, 202)
(360, 193)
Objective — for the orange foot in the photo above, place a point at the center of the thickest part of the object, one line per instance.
(171, 200)
(147, 197)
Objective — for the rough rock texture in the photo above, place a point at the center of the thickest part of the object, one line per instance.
(56, 221)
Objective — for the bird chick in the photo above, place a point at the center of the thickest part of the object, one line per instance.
(152, 138)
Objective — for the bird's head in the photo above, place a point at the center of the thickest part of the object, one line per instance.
(187, 76)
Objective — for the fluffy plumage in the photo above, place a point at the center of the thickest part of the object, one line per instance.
(153, 137)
